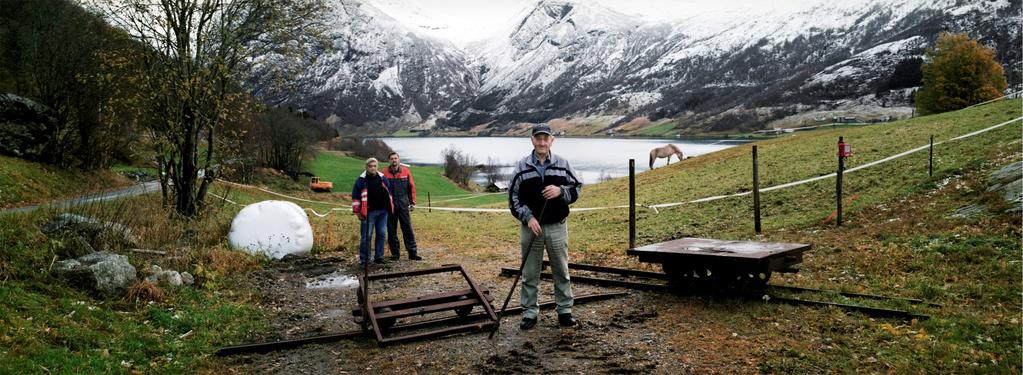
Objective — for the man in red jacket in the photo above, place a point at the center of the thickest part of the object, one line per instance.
(403, 194)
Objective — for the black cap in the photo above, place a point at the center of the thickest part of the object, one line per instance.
(542, 128)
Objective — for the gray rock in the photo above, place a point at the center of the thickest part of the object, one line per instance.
(971, 211)
(1007, 174)
(103, 273)
(1012, 191)
(99, 234)
(1008, 183)
(187, 278)
(155, 269)
(25, 127)
(170, 277)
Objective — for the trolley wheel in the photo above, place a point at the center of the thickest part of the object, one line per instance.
(758, 279)
(680, 278)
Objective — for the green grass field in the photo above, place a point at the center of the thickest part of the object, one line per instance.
(662, 130)
(343, 170)
(404, 133)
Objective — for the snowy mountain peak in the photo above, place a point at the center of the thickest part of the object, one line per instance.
(559, 59)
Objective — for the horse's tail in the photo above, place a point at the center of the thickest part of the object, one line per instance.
(652, 157)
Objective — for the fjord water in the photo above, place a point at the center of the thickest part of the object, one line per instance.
(589, 156)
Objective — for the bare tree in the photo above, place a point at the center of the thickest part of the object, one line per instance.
(283, 139)
(458, 165)
(188, 74)
(492, 170)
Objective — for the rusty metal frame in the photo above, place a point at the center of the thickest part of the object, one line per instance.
(294, 343)
(425, 305)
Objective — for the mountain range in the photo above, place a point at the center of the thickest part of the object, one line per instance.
(588, 69)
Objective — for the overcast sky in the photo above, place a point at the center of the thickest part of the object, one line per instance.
(462, 21)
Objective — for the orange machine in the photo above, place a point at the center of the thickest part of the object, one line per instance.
(321, 186)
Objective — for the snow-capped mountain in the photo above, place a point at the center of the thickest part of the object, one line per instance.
(561, 60)
(376, 72)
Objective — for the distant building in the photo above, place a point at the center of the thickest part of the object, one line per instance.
(497, 186)
(774, 131)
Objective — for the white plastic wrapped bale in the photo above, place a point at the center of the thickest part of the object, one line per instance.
(274, 228)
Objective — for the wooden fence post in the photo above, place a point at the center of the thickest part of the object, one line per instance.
(632, 203)
(756, 193)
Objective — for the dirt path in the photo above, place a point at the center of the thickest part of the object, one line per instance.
(617, 336)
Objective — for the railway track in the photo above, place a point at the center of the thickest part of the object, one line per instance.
(770, 293)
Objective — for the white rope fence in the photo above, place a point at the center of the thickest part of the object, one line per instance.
(1010, 96)
(653, 207)
(776, 187)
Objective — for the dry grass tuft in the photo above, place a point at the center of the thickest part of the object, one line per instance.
(145, 291)
(223, 261)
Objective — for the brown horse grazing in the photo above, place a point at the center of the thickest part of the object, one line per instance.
(665, 151)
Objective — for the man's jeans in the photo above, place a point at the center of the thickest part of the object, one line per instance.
(376, 221)
(401, 216)
(555, 239)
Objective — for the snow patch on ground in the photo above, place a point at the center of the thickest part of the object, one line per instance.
(636, 100)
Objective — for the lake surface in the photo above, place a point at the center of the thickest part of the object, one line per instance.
(591, 157)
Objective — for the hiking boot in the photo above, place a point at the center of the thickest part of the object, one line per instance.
(395, 257)
(565, 320)
(379, 261)
(415, 257)
(527, 323)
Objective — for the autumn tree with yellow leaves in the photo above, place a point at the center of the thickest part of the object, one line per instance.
(959, 72)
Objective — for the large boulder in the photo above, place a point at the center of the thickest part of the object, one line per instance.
(274, 228)
(103, 273)
(1008, 183)
(82, 235)
(25, 127)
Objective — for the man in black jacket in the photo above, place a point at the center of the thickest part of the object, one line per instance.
(542, 187)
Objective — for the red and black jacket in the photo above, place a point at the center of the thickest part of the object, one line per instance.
(403, 187)
(360, 196)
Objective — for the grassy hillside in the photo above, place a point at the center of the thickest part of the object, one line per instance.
(24, 183)
(662, 130)
(802, 156)
(47, 326)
